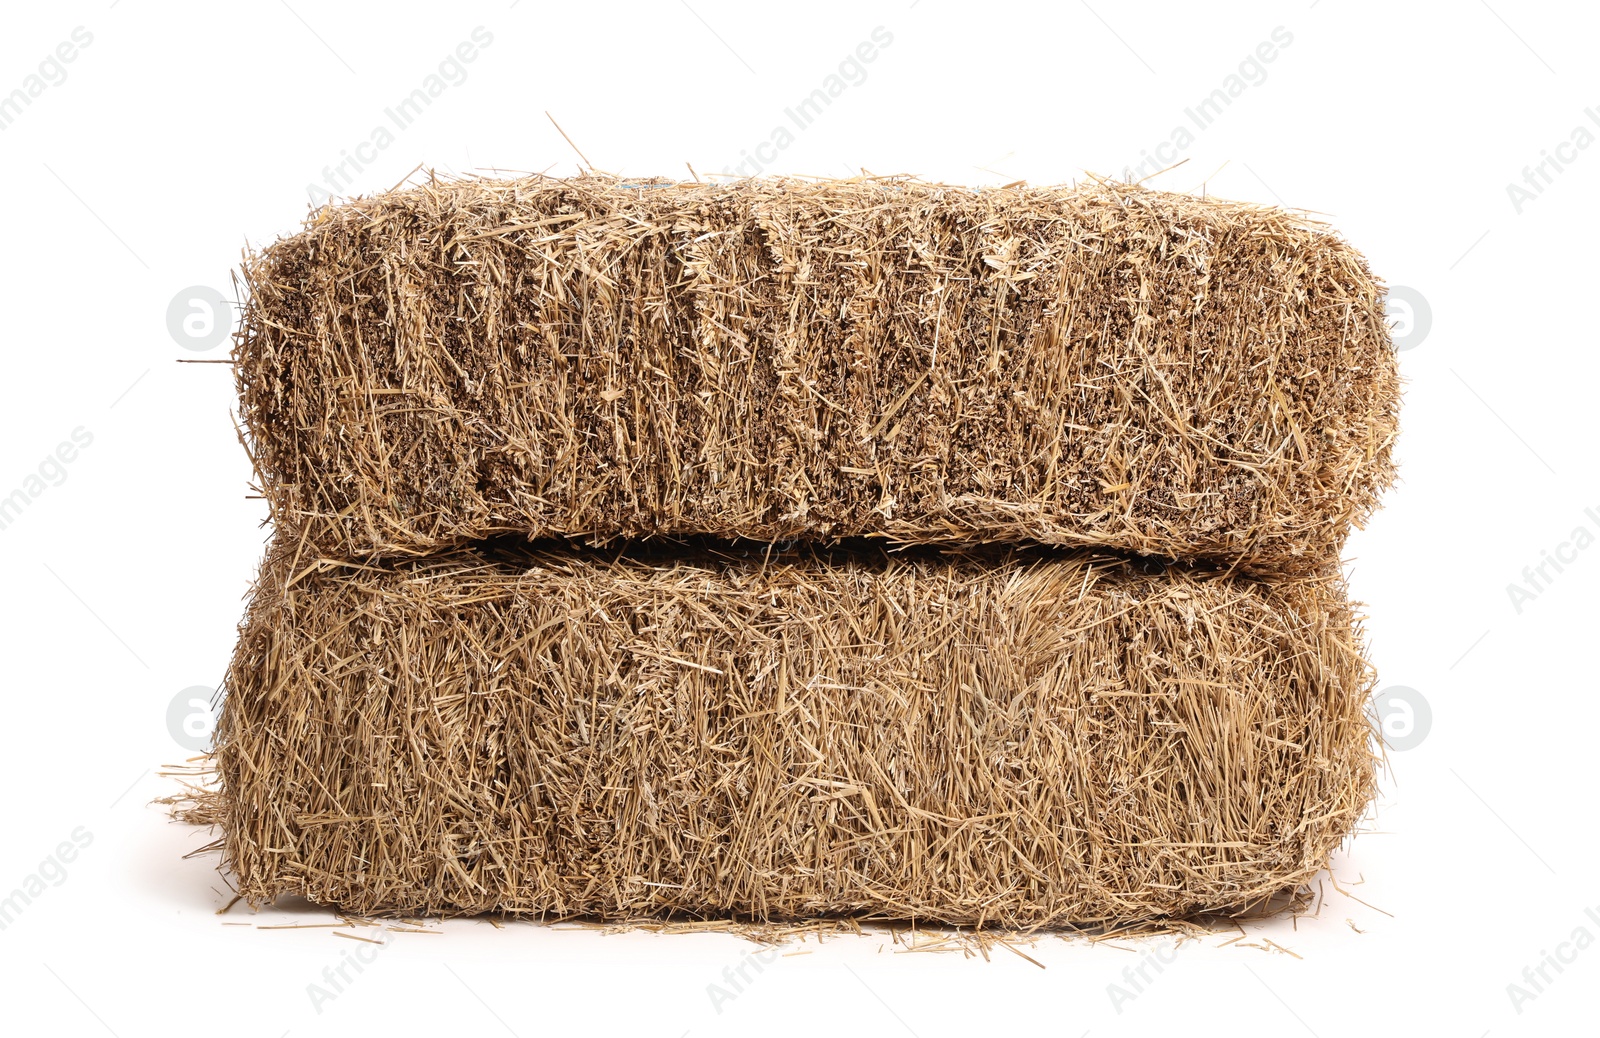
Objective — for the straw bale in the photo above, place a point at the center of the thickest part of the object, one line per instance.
(1018, 739)
(1093, 366)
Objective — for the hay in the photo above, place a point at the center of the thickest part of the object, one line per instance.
(441, 705)
(587, 358)
(1007, 740)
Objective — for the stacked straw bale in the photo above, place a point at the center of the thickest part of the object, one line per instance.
(1101, 366)
(1007, 740)
(1059, 639)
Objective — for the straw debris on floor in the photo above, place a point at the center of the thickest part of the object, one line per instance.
(597, 359)
(1002, 739)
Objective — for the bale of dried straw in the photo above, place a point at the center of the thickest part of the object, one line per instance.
(1091, 366)
(1018, 741)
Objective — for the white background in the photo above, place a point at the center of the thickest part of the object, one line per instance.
(184, 133)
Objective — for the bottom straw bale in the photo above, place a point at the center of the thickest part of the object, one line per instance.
(1012, 740)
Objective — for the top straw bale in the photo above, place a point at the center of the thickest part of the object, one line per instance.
(596, 359)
